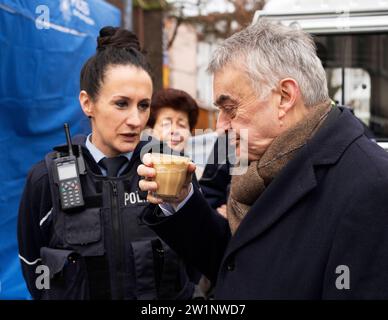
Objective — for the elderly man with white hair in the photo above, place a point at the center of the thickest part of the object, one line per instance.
(309, 218)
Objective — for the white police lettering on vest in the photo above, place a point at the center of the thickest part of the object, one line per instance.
(132, 198)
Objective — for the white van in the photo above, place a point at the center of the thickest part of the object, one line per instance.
(352, 42)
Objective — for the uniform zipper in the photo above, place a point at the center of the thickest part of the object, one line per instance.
(117, 241)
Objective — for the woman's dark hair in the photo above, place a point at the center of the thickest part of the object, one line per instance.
(115, 46)
(177, 100)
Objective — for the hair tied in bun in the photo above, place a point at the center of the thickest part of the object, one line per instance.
(115, 46)
(117, 38)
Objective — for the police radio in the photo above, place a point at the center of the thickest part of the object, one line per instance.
(67, 176)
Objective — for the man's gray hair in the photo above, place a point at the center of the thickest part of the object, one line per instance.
(270, 52)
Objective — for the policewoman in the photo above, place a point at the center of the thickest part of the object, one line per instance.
(100, 250)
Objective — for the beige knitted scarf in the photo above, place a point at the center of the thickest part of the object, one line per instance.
(246, 189)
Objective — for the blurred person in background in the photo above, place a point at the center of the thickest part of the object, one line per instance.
(174, 114)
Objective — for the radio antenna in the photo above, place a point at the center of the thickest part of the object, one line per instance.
(68, 139)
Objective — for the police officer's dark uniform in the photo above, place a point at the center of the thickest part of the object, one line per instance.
(101, 251)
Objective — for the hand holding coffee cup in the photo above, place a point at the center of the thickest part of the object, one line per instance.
(167, 177)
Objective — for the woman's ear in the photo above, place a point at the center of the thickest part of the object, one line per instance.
(289, 94)
(86, 104)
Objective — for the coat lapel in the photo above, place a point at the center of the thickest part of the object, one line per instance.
(292, 183)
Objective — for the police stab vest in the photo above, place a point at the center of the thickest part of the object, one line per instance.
(103, 250)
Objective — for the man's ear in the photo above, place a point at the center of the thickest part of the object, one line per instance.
(289, 94)
(86, 104)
